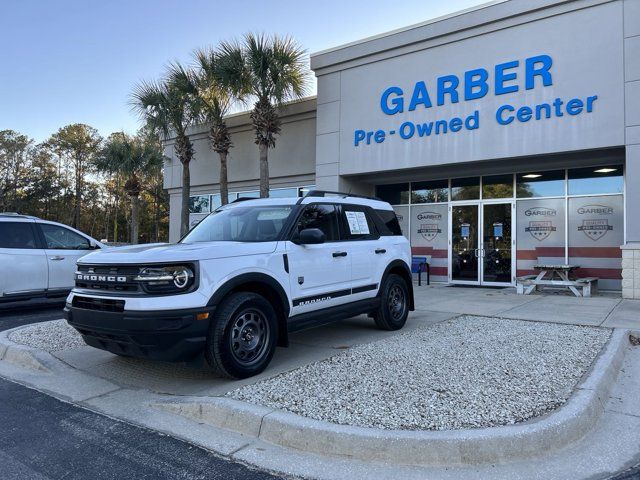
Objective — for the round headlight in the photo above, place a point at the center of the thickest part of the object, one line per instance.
(181, 278)
(166, 279)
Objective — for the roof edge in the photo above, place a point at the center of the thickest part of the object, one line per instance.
(470, 18)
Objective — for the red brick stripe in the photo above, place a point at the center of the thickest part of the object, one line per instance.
(595, 252)
(435, 253)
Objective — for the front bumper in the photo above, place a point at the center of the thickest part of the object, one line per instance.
(168, 335)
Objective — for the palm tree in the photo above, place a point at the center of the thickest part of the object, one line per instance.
(170, 106)
(271, 70)
(133, 158)
(215, 100)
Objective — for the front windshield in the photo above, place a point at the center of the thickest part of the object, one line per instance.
(241, 224)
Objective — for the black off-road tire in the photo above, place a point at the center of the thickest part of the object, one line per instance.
(241, 321)
(394, 303)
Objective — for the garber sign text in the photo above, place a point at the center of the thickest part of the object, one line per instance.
(473, 85)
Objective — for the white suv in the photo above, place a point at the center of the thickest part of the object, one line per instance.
(244, 278)
(38, 257)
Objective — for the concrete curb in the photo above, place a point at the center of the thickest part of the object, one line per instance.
(425, 448)
(22, 355)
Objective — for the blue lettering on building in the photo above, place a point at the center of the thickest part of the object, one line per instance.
(505, 78)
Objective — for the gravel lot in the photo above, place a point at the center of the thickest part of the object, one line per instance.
(49, 336)
(468, 372)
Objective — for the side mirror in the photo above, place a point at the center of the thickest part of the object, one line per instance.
(311, 236)
(93, 245)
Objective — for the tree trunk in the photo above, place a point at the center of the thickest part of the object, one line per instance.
(224, 184)
(184, 150)
(156, 220)
(186, 185)
(135, 204)
(76, 210)
(264, 171)
(115, 214)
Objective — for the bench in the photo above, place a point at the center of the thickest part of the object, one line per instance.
(420, 264)
(589, 285)
(528, 283)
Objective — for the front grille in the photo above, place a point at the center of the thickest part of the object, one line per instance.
(101, 304)
(108, 278)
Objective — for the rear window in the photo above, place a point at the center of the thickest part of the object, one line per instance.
(17, 235)
(387, 223)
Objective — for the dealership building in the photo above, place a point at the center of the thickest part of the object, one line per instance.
(504, 136)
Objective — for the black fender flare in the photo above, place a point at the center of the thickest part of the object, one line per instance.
(256, 279)
(405, 272)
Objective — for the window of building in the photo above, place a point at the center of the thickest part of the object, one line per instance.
(540, 184)
(497, 186)
(199, 204)
(283, 192)
(596, 231)
(595, 180)
(430, 192)
(249, 194)
(395, 194)
(17, 235)
(465, 188)
(323, 217)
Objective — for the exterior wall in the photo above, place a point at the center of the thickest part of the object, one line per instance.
(291, 162)
(594, 48)
(583, 43)
(631, 249)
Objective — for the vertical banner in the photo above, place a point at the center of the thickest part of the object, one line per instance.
(430, 236)
(596, 231)
(540, 233)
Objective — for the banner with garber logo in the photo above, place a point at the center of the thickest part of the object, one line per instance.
(429, 236)
(596, 231)
(540, 233)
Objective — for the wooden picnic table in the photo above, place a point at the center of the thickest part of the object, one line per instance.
(556, 276)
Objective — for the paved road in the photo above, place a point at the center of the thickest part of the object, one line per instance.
(44, 438)
(12, 316)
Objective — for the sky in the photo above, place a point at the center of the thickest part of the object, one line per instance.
(76, 61)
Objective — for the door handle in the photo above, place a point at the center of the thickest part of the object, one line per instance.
(57, 257)
(339, 254)
(380, 250)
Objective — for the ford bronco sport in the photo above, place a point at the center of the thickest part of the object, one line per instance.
(244, 278)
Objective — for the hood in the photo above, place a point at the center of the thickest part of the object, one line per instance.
(177, 252)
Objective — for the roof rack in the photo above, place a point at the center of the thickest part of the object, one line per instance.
(15, 214)
(324, 193)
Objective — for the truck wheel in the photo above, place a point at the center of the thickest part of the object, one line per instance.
(242, 336)
(394, 307)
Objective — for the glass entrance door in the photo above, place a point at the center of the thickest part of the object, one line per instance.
(481, 244)
(464, 244)
(496, 245)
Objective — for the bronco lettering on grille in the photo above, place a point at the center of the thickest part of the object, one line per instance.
(100, 278)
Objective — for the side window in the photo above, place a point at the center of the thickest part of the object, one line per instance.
(358, 224)
(322, 216)
(17, 235)
(387, 223)
(60, 238)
